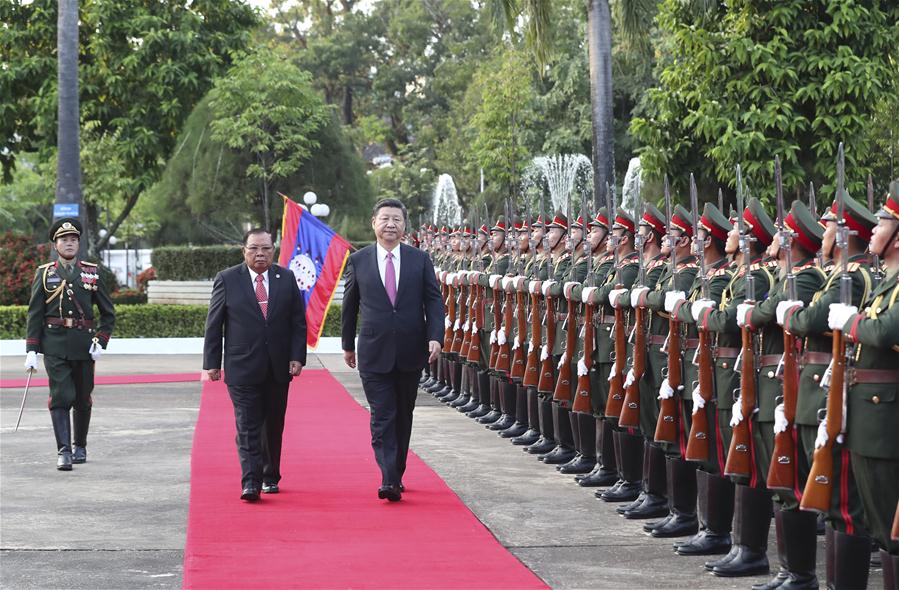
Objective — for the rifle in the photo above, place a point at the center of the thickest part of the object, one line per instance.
(720, 203)
(877, 271)
(667, 424)
(469, 306)
(496, 306)
(504, 358)
(813, 207)
(630, 410)
(582, 389)
(461, 311)
(783, 472)
(546, 383)
(532, 365)
(450, 304)
(619, 333)
(476, 315)
(519, 350)
(818, 486)
(563, 390)
(739, 457)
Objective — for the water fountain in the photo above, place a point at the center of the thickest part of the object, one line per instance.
(445, 203)
(560, 176)
(628, 191)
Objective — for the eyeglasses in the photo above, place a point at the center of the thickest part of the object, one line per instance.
(265, 249)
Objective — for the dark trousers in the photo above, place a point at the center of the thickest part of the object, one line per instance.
(259, 415)
(71, 383)
(391, 397)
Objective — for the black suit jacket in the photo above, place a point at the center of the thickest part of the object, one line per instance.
(391, 337)
(251, 341)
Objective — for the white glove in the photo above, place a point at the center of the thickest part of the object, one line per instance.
(582, 367)
(698, 400)
(31, 361)
(533, 287)
(474, 326)
(742, 312)
(507, 282)
(466, 326)
(781, 310)
(636, 294)
(96, 351)
(665, 391)
(447, 322)
(614, 372)
(780, 419)
(492, 336)
(700, 306)
(671, 299)
(562, 360)
(546, 287)
(544, 353)
(821, 439)
(614, 294)
(629, 380)
(501, 336)
(493, 279)
(518, 282)
(588, 294)
(737, 414)
(530, 347)
(568, 287)
(839, 314)
(456, 324)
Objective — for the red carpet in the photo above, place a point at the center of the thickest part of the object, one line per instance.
(327, 528)
(112, 379)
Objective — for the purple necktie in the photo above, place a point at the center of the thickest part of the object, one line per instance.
(390, 279)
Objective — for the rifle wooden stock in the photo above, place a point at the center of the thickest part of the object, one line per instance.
(546, 383)
(563, 390)
(532, 367)
(739, 457)
(504, 358)
(469, 316)
(497, 322)
(666, 426)
(474, 351)
(894, 532)
(698, 443)
(582, 391)
(459, 333)
(819, 485)
(450, 303)
(782, 474)
(518, 355)
(616, 383)
(630, 411)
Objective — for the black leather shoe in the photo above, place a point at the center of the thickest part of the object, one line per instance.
(681, 525)
(526, 439)
(79, 454)
(437, 386)
(778, 581)
(402, 487)
(710, 565)
(581, 465)
(505, 421)
(250, 494)
(655, 524)
(631, 505)
(705, 543)
(600, 477)
(559, 456)
(490, 417)
(541, 447)
(64, 460)
(652, 507)
(747, 562)
(391, 493)
(626, 492)
(461, 401)
(517, 429)
(479, 411)
(270, 488)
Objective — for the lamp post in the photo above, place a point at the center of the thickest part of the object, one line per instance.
(316, 208)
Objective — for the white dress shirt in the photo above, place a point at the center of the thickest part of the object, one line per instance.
(253, 275)
(382, 263)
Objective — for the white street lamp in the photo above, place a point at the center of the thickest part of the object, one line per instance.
(310, 198)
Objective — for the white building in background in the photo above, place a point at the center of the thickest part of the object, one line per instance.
(127, 264)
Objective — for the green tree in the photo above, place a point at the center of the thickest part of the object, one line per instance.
(746, 80)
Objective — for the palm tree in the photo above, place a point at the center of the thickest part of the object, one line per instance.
(633, 17)
(68, 167)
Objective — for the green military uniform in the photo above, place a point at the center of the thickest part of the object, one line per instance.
(62, 326)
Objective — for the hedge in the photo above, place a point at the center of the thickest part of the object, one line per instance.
(183, 263)
(146, 321)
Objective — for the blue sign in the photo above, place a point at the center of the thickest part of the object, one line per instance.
(65, 210)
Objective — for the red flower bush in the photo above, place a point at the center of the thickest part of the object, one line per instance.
(19, 259)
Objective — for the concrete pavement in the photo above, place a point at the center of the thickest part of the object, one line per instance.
(119, 521)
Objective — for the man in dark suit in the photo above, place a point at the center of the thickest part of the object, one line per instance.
(259, 309)
(394, 287)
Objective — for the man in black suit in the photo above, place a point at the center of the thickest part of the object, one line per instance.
(394, 287)
(259, 308)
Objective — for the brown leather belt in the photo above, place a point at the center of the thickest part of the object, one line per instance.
(727, 353)
(656, 339)
(815, 358)
(875, 376)
(766, 360)
(691, 342)
(70, 323)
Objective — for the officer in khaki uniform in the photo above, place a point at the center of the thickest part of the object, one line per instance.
(61, 325)
(872, 404)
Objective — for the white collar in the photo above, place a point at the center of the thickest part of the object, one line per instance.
(254, 274)
(382, 251)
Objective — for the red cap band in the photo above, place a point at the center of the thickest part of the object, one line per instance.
(808, 242)
(625, 223)
(682, 225)
(713, 229)
(757, 227)
(656, 224)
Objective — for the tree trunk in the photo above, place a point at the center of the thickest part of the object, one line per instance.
(266, 214)
(348, 105)
(68, 168)
(599, 42)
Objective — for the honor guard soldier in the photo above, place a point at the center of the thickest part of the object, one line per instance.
(872, 407)
(61, 325)
(846, 531)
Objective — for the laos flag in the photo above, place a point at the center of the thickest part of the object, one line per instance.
(316, 255)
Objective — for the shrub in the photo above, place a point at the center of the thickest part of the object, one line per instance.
(148, 274)
(19, 259)
(183, 263)
(146, 321)
(128, 297)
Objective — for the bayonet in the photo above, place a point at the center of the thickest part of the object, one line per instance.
(672, 263)
(744, 239)
(699, 244)
(842, 237)
(785, 234)
(720, 202)
(638, 236)
(878, 274)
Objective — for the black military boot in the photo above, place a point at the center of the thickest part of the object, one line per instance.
(752, 510)
(564, 451)
(532, 434)
(465, 394)
(716, 513)
(606, 471)
(474, 398)
(62, 429)
(81, 421)
(431, 376)
(800, 547)
(655, 482)
(547, 440)
(494, 413)
(682, 500)
(441, 380)
(783, 572)
(483, 395)
(890, 564)
(630, 469)
(455, 378)
(585, 461)
(851, 560)
(520, 426)
(508, 397)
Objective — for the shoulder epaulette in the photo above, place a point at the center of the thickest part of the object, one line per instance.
(86, 263)
(656, 264)
(721, 271)
(46, 265)
(853, 266)
(686, 265)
